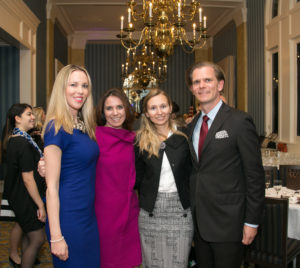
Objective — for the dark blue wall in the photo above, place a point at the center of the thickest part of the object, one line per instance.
(103, 61)
(60, 45)
(38, 7)
(9, 80)
(224, 43)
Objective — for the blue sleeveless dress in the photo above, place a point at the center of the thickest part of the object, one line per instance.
(77, 194)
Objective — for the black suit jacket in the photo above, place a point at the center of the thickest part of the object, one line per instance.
(227, 184)
(148, 171)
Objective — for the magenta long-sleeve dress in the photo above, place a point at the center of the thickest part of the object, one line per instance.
(116, 202)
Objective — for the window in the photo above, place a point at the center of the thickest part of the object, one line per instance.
(275, 8)
(275, 93)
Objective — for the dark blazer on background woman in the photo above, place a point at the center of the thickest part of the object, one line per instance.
(148, 171)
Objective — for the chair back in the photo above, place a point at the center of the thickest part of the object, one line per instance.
(291, 175)
(273, 172)
(269, 248)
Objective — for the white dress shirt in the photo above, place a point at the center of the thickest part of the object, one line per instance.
(166, 181)
(211, 115)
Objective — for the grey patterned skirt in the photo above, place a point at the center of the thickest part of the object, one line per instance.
(166, 234)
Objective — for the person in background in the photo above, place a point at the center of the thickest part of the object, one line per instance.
(116, 202)
(71, 154)
(227, 180)
(138, 118)
(36, 132)
(222, 97)
(23, 185)
(162, 179)
(177, 117)
(7, 214)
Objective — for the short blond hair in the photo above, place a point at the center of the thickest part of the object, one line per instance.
(58, 109)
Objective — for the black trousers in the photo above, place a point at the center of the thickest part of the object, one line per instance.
(217, 255)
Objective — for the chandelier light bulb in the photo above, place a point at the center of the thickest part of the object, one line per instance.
(129, 15)
(122, 23)
(200, 14)
(150, 10)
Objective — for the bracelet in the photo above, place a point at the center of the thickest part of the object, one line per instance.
(57, 240)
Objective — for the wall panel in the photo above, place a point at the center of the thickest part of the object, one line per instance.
(255, 39)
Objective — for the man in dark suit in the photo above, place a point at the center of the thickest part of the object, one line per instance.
(227, 180)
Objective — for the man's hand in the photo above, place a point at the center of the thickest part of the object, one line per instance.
(249, 234)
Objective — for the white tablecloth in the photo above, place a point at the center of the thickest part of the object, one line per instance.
(294, 221)
(294, 210)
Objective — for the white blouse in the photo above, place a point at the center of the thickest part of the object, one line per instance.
(167, 181)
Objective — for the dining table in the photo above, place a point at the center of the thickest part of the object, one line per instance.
(294, 208)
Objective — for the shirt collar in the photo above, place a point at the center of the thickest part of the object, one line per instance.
(212, 113)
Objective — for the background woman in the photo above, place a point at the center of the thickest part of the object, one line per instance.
(36, 132)
(23, 185)
(116, 202)
(70, 156)
(162, 171)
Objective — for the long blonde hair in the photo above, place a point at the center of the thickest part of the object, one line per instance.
(58, 109)
(147, 137)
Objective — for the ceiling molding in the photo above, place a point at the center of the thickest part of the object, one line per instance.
(64, 21)
(73, 16)
(19, 22)
(239, 16)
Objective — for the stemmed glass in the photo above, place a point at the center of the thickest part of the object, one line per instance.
(267, 180)
(277, 186)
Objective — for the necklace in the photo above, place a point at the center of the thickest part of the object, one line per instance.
(80, 125)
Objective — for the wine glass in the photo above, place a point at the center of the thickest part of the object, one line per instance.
(267, 180)
(277, 186)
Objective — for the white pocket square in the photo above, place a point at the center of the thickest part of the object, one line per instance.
(222, 134)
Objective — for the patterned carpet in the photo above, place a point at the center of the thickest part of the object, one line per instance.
(44, 254)
(5, 227)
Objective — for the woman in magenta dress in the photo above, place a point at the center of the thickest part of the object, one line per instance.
(116, 202)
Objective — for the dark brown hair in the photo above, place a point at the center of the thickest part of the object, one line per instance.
(219, 73)
(119, 93)
(16, 109)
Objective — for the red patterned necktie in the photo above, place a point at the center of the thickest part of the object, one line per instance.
(203, 133)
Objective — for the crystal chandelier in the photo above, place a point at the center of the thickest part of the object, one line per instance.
(143, 69)
(162, 24)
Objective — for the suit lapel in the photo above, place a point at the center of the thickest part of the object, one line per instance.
(221, 116)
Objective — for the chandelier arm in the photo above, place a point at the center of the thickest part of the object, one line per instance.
(188, 44)
(136, 15)
(136, 44)
(197, 45)
(186, 41)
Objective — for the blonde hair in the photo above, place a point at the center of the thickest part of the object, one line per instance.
(147, 137)
(58, 109)
(39, 114)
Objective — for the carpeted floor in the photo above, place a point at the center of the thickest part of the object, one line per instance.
(5, 227)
